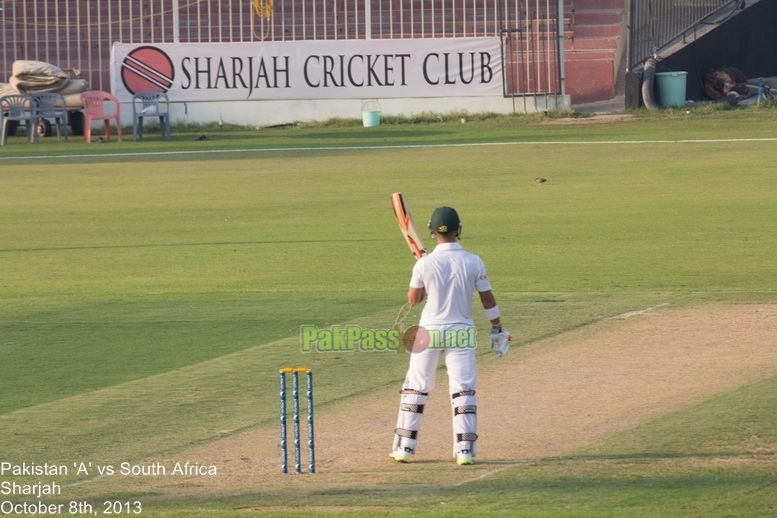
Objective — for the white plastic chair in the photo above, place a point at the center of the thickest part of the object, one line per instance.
(52, 106)
(150, 104)
(17, 107)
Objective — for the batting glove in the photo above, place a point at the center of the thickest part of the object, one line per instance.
(500, 341)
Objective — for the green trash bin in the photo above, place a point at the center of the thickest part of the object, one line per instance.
(671, 89)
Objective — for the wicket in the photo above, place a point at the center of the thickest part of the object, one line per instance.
(295, 409)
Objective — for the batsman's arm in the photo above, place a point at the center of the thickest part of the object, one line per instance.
(489, 302)
(415, 295)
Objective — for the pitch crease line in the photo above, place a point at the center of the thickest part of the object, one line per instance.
(494, 472)
(629, 314)
(403, 146)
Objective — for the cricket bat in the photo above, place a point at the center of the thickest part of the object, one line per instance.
(407, 226)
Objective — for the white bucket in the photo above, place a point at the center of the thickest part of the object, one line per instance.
(371, 114)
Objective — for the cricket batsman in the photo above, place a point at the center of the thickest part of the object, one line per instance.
(447, 279)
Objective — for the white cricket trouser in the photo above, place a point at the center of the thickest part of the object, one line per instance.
(420, 381)
(460, 363)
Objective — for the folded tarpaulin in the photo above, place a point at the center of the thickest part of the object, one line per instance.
(31, 77)
(71, 92)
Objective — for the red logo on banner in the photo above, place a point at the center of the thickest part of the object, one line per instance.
(147, 69)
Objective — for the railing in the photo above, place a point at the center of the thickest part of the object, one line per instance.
(655, 23)
(530, 31)
(77, 34)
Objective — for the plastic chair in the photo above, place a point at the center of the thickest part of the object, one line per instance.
(18, 108)
(150, 104)
(94, 109)
(47, 108)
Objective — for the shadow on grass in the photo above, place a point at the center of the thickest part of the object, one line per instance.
(637, 457)
(180, 245)
(368, 134)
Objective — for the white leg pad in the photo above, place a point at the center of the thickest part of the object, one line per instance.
(411, 414)
(465, 422)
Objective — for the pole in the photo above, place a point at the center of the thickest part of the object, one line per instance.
(561, 72)
(176, 23)
(629, 8)
(367, 19)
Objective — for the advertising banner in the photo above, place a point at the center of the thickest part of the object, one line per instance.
(345, 69)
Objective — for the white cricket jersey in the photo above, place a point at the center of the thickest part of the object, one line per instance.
(450, 275)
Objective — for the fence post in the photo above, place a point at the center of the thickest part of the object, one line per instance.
(561, 72)
(367, 19)
(176, 23)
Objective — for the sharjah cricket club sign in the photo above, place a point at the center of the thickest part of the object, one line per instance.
(345, 69)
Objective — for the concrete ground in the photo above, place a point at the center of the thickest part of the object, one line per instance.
(616, 104)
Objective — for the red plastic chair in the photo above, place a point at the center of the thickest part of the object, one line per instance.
(94, 109)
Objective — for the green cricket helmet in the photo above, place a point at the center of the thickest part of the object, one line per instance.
(444, 220)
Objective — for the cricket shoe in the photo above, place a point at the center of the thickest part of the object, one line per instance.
(400, 456)
(464, 458)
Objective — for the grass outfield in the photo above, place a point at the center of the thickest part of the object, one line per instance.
(147, 300)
